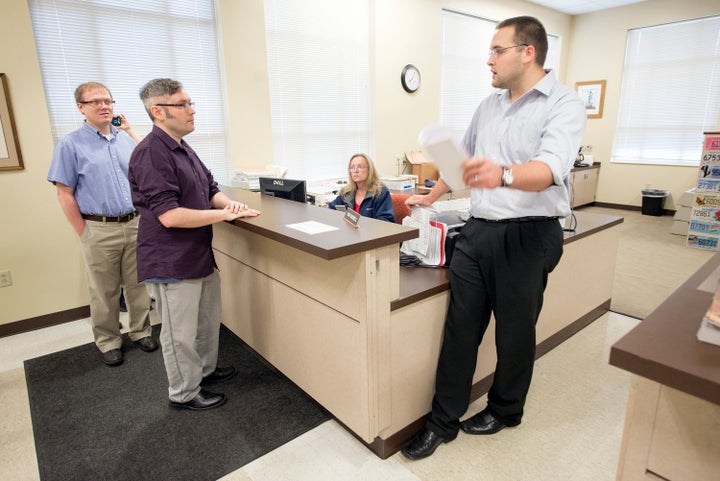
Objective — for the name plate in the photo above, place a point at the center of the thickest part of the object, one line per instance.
(352, 217)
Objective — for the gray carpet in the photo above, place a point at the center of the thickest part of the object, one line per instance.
(92, 422)
(651, 262)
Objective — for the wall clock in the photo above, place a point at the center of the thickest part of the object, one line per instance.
(410, 78)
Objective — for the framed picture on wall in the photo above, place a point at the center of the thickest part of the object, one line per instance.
(10, 158)
(592, 94)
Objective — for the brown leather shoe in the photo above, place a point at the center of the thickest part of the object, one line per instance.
(113, 357)
(147, 344)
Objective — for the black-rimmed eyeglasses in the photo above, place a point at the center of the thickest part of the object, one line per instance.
(183, 105)
(98, 102)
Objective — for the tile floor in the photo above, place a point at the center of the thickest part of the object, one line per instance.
(571, 431)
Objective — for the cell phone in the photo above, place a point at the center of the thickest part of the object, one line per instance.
(116, 121)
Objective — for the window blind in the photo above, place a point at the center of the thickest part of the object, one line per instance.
(465, 76)
(318, 68)
(670, 92)
(125, 44)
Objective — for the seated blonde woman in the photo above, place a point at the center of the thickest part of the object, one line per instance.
(364, 192)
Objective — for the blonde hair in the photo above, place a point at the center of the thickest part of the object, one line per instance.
(373, 184)
(82, 88)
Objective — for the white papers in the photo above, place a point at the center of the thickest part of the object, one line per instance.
(429, 247)
(446, 152)
(312, 227)
(420, 219)
(709, 332)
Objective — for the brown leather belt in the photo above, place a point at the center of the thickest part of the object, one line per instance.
(102, 218)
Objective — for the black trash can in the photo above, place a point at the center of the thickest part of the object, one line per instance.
(652, 201)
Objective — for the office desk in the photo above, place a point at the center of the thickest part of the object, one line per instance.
(672, 424)
(337, 315)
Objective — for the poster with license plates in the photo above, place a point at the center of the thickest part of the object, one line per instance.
(704, 229)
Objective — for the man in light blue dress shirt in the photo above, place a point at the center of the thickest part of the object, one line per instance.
(89, 170)
(522, 142)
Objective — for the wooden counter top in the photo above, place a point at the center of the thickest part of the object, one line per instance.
(664, 347)
(277, 214)
(420, 282)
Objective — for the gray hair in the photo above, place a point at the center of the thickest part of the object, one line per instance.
(159, 87)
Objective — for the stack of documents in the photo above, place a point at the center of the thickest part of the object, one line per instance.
(429, 247)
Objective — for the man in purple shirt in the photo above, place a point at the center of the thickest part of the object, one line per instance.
(178, 201)
(89, 169)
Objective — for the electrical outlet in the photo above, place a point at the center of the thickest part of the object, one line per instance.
(5, 279)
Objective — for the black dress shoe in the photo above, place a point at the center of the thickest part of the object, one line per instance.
(220, 374)
(482, 423)
(147, 344)
(113, 357)
(424, 444)
(204, 400)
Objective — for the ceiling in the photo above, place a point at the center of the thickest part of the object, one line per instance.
(576, 7)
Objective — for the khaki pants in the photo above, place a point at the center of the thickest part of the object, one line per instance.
(189, 311)
(108, 249)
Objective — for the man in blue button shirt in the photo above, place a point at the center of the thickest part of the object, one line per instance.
(89, 169)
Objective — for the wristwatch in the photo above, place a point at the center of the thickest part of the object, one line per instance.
(507, 177)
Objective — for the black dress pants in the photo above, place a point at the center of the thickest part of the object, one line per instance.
(500, 268)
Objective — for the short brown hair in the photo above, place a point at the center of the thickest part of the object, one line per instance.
(529, 31)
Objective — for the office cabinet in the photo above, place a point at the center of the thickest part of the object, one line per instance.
(583, 182)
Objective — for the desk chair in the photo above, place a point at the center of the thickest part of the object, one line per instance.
(401, 210)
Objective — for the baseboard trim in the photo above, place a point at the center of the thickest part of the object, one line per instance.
(625, 207)
(47, 320)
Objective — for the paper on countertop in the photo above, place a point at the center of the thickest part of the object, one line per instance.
(445, 151)
(312, 227)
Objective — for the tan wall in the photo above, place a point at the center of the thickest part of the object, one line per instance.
(40, 248)
(597, 52)
(37, 244)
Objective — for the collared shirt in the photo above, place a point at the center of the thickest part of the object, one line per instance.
(546, 124)
(96, 167)
(165, 175)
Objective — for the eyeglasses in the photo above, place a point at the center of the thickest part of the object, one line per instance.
(183, 105)
(98, 102)
(356, 168)
(495, 52)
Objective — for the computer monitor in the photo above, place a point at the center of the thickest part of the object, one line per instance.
(284, 188)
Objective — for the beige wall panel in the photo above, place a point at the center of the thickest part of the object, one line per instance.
(580, 282)
(686, 438)
(416, 333)
(339, 283)
(317, 347)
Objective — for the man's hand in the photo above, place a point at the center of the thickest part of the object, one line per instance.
(127, 128)
(481, 173)
(234, 210)
(418, 200)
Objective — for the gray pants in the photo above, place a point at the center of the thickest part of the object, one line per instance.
(190, 314)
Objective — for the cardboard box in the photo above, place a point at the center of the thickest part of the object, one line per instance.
(683, 212)
(421, 167)
(687, 198)
(680, 227)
